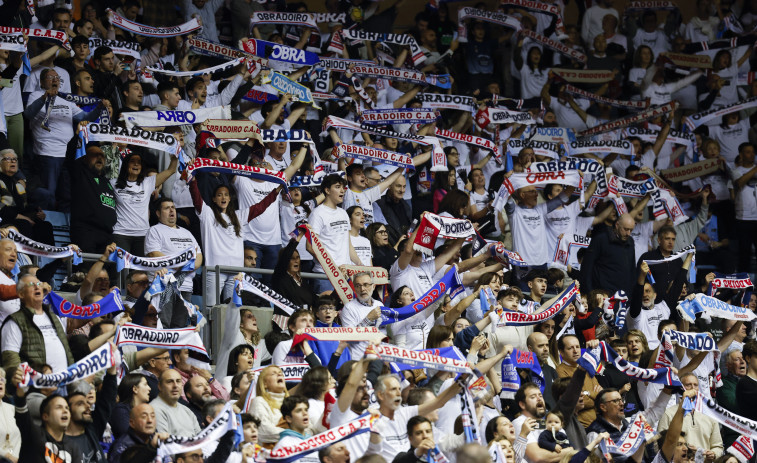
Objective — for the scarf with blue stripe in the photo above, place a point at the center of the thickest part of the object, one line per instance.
(736, 281)
(63, 308)
(450, 282)
(590, 361)
(510, 377)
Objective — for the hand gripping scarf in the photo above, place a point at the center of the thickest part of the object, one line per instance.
(642, 116)
(398, 116)
(523, 179)
(584, 76)
(344, 333)
(484, 143)
(184, 259)
(402, 75)
(47, 35)
(149, 31)
(625, 104)
(604, 353)
(375, 155)
(292, 453)
(735, 281)
(434, 226)
(340, 282)
(416, 54)
(226, 421)
(134, 136)
(712, 307)
(218, 68)
(502, 116)
(444, 101)
(119, 47)
(418, 358)
(217, 50)
(560, 47)
(638, 432)
(541, 7)
(710, 407)
(587, 166)
(141, 336)
(698, 119)
(284, 84)
(283, 17)
(257, 173)
(449, 283)
(28, 246)
(174, 117)
(277, 52)
(541, 148)
(515, 318)
(497, 18)
(511, 379)
(63, 308)
(101, 359)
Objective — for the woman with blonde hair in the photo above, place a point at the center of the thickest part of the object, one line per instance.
(266, 406)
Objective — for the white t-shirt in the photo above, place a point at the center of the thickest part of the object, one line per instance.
(265, 228)
(565, 115)
(394, 432)
(11, 306)
(746, 202)
(333, 229)
(532, 81)
(12, 102)
(364, 199)
(354, 314)
(655, 40)
(729, 138)
(53, 142)
(55, 353)
(530, 233)
(420, 279)
(279, 165)
(291, 217)
(642, 236)
(133, 206)
(356, 445)
(222, 246)
(363, 249)
(533, 436)
(561, 222)
(648, 321)
(168, 240)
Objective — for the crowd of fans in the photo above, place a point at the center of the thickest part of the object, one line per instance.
(636, 260)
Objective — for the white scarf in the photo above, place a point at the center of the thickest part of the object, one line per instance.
(134, 136)
(119, 47)
(283, 17)
(13, 42)
(101, 359)
(225, 421)
(221, 67)
(174, 117)
(416, 54)
(520, 180)
(149, 31)
(499, 19)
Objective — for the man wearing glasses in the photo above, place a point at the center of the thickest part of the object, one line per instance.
(326, 312)
(34, 334)
(610, 415)
(363, 310)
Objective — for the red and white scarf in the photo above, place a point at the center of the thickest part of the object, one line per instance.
(416, 54)
(650, 113)
(150, 31)
(520, 180)
(584, 76)
(560, 47)
(603, 99)
(333, 272)
(497, 18)
(366, 153)
(488, 116)
(691, 171)
(541, 7)
(434, 226)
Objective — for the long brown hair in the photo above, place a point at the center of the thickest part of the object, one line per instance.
(229, 210)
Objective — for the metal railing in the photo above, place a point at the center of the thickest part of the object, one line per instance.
(219, 269)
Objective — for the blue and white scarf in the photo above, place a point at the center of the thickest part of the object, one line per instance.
(29, 246)
(712, 307)
(63, 308)
(285, 85)
(514, 318)
(511, 378)
(450, 282)
(101, 359)
(184, 259)
(591, 359)
(398, 116)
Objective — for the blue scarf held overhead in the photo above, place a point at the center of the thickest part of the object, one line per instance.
(63, 308)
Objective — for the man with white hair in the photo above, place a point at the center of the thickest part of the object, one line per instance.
(8, 258)
(363, 310)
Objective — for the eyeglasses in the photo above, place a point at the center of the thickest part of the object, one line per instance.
(363, 285)
(34, 283)
(614, 401)
(52, 77)
(10, 159)
(140, 282)
(327, 308)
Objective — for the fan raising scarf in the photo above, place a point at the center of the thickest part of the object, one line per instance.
(375, 155)
(698, 119)
(418, 358)
(493, 17)
(680, 254)
(541, 7)
(277, 52)
(257, 288)
(335, 275)
(515, 318)
(184, 259)
(584, 76)
(560, 47)
(295, 452)
(47, 35)
(398, 116)
(101, 359)
(636, 434)
(510, 377)
(119, 47)
(64, 308)
(218, 68)
(591, 359)
(175, 117)
(735, 281)
(28, 246)
(449, 283)
(434, 226)
(284, 85)
(223, 167)
(678, 137)
(712, 307)
(523, 179)
(149, 31)
(134, 136)
(339, 123)
(141, 336)
(709, 407)
(587, 166)
(488, 116)
(402, 75)
(625, 104)
(623, 147)
(691, 171)
(13, 42)
(541, 148)
(642, 116)
(283, 17)
(226, 421)
(416, 54)
(444, 101)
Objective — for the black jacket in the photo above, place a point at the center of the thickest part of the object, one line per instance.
(602, 425)
(94, 201)
(663, 273)
(609, 264)
(398, 217)
(407, 457)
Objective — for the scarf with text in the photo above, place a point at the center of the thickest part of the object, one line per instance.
(680, 254)
(701, 342)
(134, 136)
(295, 452)
(445, 101)
(418, 358)
(284, 84)
(174, 117)
(493, 17)
(141, 336)
(217, 50)
(46, 35)
(691, 171)
(283, 17)
(683, 60)
(434, 226)
(184, 260)
(376, 155)
(483, 143)
(511, 379)
(742, 448)
(379, 274)
(636, 434)
(150, 31)
(259, 289)
(735, 281)
(587, 166)
(710, 407)
(101, 359)
(226, 421)
(623, 147)
(223, 167)
(344, 333)
(119, 47)
(541, 7)
(63, 308)
(624, 104)
(218, 68)
(711, 307)
(678, 137)
(13, 42)
(487, 116)
(339, 123)
(281, 53)
(650, 113)
(28, 246)
(584, 76)
(449, 283)
(225, 129)
(641, 5)
(541, 148)
(696, 120)
(340, 64)
(538, 179)
(505, 256)
(335, 275)
(398, 116)
(416, 54)
(515, 318)
(605, 353)
(559, 47)
(402, 75)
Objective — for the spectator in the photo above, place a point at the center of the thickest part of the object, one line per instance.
(171, 416)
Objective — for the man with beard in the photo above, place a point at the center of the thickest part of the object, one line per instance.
(363, 310)
(647, 310)
(93, 217)
(538, 343)
(610, 415)
(532, 408)
(197, 391)
(87, 425)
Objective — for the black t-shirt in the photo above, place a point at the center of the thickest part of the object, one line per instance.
(90, 452)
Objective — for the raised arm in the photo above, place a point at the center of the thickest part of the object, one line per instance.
(297, 162)
(163, 176)
(405, 99)
(257, 209)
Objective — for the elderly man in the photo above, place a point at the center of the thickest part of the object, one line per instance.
(700, 430)
(141, 432)
(52, 120)
(153, 369)
(93, 217)
(735, 369)
(34, 334)
(570, 351)
(172, 417)
(610, 259)
(363, 310)
(8, 256)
